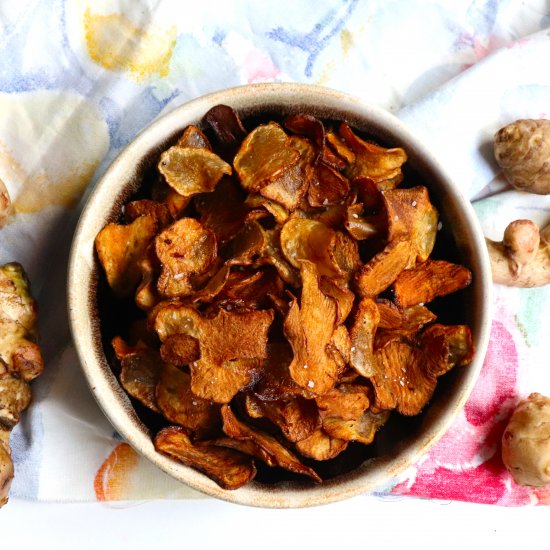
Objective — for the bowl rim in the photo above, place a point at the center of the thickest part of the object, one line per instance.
(80, 306)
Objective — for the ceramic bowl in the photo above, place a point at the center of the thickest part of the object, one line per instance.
(396, 447)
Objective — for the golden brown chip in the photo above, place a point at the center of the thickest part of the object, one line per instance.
(122, 349)
(290, 186)
(227, 467)
(345, 254)
(248, 245)
(185, 249)
(147, 294)
(321, 446)
(139, 374)
(168, 318)
(362, 429)
(222, 211)
(305, 239)
(179, 405)
(412, 216)
(180, 350)
(308, 126)
(446, 346)
(175, 203)
(189, 170)
(345, 401)
(309, 328)
(429, 280)
(226, 125)
(339, 348)
(275, 257)
(382, 165)
(146, 207)
(362, 334)
(278, 211)
(213, 287)
(120, 248)
(332, 159)
(341, 149)
(246, 446)
(296, 417)
(328, 187)
(381, 271)
(264, 155)
(359, 226)
(401, 379)
(280, 454)
(193, 137)
(341, 294)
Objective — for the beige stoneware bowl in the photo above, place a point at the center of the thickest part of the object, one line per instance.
(395, 448)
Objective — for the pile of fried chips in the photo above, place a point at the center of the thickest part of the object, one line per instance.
(282, 279)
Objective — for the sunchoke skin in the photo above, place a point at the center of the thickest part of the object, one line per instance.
(526, 442)
(5, 204)
(522, 150)
(20, 360)
(522, 259)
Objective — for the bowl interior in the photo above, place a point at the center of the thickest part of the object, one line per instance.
(403, 440)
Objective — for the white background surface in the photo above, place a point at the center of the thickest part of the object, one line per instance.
(361, 522)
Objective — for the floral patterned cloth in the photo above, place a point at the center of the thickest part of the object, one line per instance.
(79, 79)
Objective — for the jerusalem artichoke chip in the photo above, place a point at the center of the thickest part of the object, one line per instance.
(226, 125)
(412, 216)
(264, 155)
(139, 374)
(15, 397)
(185, 249)
(145, 207)
(309, 328)
(345, 401)
(179, 405)
(248, 245)
(328, 187)
(401, 379)
(381, 271)
(362, 429)
(446, 346)
(180, 349)
(190, 170)
(362, 334)
(307, 125)
(429, 280)
(193, 137)
(382, 165)
(340, 148)
(341, 294)
(296, 417)
(321, 446)
(120, 248)
(246, 446)
(227, 467)
(280, 455)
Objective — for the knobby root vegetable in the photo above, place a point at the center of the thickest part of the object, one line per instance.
(522, 259)
(526, 442)
(522, 150)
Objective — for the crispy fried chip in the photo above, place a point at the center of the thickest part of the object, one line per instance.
(180, 405)
(345, 401)
(185, 249)
(139, 373)
(246, 446)
(180, 349)
(304, 239)
(341, 149)
(345, 254)
(193, 137)
(381, 165)
(213, 287)
(412, 216)
(274, 256)
(329, 187)
(401, 379)
(362, 429)
(147, 294)
(429, 280)
(264, 155)
(289, 187)
(308, 126)
(278, 211)
(248, 245)
(146, 207)
(321, 446)
(227, 467)
(120, 248)
(279, 454)
(341, 294)
(309, 328)
(362, 334)
(190, 170)
(232, 346)
(446, 346)
(359, 226)
(296, 417)
(226, 124)
(339, 347)
(222, 211)
(381, 271)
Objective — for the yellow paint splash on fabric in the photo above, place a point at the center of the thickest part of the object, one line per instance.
(346, 41)
(117, 44)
